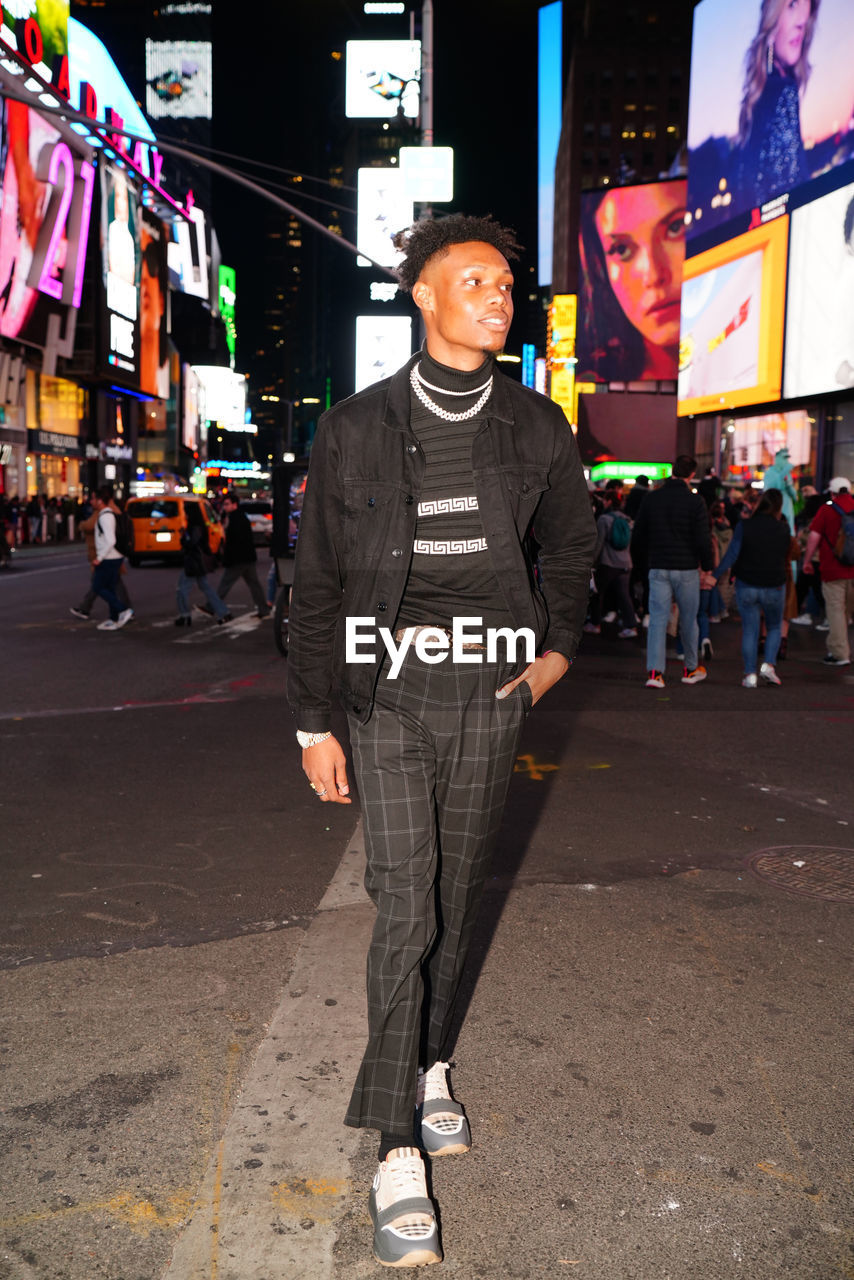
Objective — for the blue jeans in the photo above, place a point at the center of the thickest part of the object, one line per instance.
(105, 577)
(752, 602)
(665, 586)
(185, 583)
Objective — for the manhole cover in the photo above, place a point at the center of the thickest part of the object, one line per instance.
(815, 870)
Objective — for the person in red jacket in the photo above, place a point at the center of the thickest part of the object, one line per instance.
(837, 578)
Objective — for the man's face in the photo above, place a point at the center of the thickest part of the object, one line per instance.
(465, 298)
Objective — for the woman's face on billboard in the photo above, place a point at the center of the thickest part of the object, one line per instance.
(789, 31)
(642, 232)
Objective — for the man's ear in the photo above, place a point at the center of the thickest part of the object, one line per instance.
(422, 295)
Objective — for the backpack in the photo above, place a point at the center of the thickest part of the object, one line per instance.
(124, 534)
(843, 547)
(620, 533)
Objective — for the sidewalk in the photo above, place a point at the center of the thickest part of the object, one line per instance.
(655, 1054)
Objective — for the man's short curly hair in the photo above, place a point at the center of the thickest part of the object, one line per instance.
(431, 236)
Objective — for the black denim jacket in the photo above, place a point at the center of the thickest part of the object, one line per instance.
(358, 526)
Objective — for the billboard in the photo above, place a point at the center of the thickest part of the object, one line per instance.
(383, 209)
(383, 78)
(631, 251)
(45, 210)
(222, 397)
(731, 349)
(820, 304)
(121, 268)
(153, 284)
(383, 344)
(755, 442)
(549, 118)
(179, 79)
(770, 107)
(39, 32)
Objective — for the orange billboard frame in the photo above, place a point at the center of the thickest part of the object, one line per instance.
(772, 239)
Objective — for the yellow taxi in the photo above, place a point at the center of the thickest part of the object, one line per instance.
(158, 523)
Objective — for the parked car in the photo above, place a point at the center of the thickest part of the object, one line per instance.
(158, 522)
(259, 512)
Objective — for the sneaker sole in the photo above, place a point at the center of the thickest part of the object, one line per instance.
(417, 1258)
(420, 1255)
(454, 1149)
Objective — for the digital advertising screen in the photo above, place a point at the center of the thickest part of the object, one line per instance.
(121, 270)
(46, 194)
(820, 307)
(383, 344)
(731, 347)
(383, 208)
(754, 442)
(383, 79)
(631, 251)
(770, 108)
(153, 285)
(179, 79)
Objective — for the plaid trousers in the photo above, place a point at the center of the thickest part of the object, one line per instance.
(433, 765)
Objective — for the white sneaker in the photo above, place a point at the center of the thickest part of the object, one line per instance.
(768, 674)
(802, 620)
(124, 617)
(750, 682)
(444, 1128)
(407, 1236)
(822, 626)
(610, 617)
(108, 625)
(627, 633)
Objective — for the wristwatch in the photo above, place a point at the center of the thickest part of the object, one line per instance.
(311, 739)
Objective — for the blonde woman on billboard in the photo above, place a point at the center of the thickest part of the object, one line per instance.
(632, 247)
(771, 150)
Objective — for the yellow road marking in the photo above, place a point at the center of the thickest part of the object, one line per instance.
(312, 1198)
(216, 1202)
(535, 770)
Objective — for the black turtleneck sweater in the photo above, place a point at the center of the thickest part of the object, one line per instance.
(451, 573)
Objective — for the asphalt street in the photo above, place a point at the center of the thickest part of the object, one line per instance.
(656, 1030)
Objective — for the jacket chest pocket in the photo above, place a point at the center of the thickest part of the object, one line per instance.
(371, 508)
(525, 485)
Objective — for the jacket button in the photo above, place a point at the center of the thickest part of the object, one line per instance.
(382, 606)
(411, 448)
(409, 499)
(397, 552)
(372, 502)
(357, 711)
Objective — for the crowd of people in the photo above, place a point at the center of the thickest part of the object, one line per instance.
(679, 557)
(37, 520)
(100, 521)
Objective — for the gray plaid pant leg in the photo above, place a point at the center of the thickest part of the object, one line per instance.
(433, 765)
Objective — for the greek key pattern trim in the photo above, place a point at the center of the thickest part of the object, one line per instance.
(445, 506)
(448, 546)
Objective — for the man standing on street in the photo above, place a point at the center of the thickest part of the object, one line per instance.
(837, 578)
(107, 565)
(239, 557)
(421, 491)
(672, 534)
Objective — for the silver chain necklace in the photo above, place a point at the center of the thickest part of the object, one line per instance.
(444, 414)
